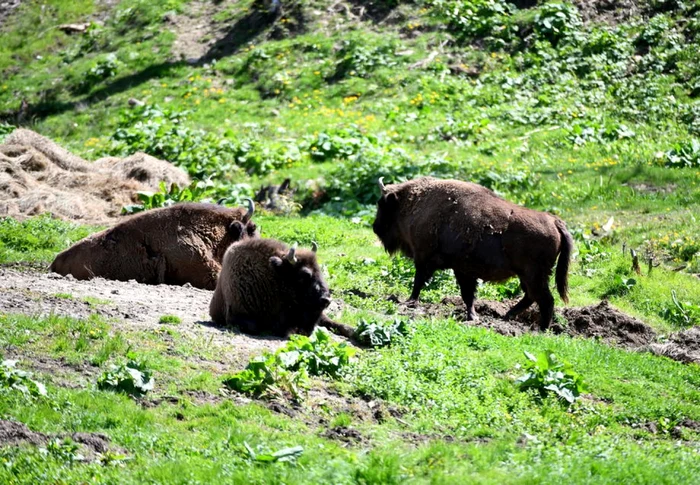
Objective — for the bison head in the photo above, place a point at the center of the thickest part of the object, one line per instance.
(385, 226)
(301, 277)
(245, 227)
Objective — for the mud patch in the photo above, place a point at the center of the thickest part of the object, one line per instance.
(681, 346)
(37, 176)
(345, 434)
(600, 321)
(608, 11)
(14, 434)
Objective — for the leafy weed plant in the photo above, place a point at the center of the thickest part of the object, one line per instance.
(547, 373)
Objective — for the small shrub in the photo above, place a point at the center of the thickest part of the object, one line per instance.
(471, 19)
(683, 314)
(356, 59)
(547, 373)
(5, 129)
(381, 334)
(500, 291)
(582, 132)
(288, 368)
(165, 198)
(65, 450)
(684, 155)
(103, 69)
(464, 130)
(556, 21)
(336, 144)
(13, 379)
(620, 286)
(132, 378)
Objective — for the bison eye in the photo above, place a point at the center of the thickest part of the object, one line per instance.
(305, 274)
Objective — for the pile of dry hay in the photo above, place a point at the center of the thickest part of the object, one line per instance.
(37, 176)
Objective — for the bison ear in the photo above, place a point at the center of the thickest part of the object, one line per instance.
(391, 199)
(235, 229)
(251, 228)
(306, 272)
(275, 262)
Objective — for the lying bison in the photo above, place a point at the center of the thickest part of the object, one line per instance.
(267, 287)
(465, 227)
(184, 243)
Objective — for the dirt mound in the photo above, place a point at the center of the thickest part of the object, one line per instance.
(37, 176)
(682, 346)
(596, 321)
(608, 11)
(345, 434)
(14, 434)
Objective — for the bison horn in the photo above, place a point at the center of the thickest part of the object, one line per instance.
(314, 246)
(291, 256)
(382, 187)
(221, 201)
(251, 210)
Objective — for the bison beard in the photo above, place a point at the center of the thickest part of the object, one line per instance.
(266, 287)
(448, 224)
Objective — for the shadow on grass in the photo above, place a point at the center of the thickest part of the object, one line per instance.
(241, 33)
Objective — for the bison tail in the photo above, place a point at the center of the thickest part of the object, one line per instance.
(562, 273)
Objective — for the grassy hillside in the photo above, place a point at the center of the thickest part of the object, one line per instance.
(587, 110)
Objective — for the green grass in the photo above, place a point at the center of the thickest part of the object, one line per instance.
(449, 380)
(170, 319)
(583, 126)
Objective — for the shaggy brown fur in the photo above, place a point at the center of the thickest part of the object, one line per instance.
(184, 243)
(266, 287)
(448, 224)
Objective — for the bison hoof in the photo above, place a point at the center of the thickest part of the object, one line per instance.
(472, 316)
(411, 303)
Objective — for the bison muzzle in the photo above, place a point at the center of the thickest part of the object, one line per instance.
(449, 224)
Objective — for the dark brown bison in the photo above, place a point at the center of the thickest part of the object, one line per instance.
(184, 243)
(267, 287)
(448, 224)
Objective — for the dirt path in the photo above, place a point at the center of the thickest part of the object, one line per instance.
(128, 306)
(131, 306)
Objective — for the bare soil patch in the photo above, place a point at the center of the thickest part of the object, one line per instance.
(13, 433)
(345, 434)
(600, 321)
(37, 176)
(6, 8)
(682, 346)
(608, 11)
(131, 306)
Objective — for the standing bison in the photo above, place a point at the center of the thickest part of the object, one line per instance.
(448, 224)
(184, 243)
(267, 287)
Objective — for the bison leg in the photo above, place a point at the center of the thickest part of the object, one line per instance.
(519, 307)
(244, 324)
(423, 274)
(537, 290)
(217, 310)
(467, 285)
